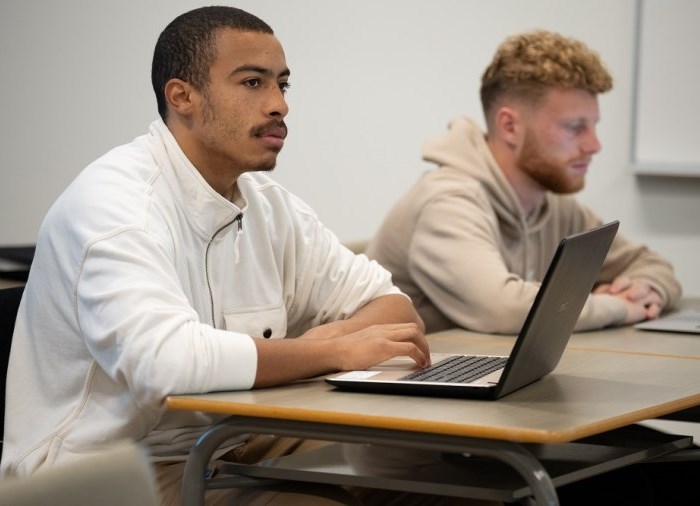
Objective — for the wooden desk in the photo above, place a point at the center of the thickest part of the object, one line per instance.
(591, 392)
(618, 339)
(630, 340)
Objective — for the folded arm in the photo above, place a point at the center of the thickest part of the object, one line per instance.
(386, 327)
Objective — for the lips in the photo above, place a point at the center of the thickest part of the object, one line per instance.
(272, 135)
(277, 131)
(581, 165)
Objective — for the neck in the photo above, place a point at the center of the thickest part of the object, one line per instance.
(232, 194)
(529, 193)
(216, 172)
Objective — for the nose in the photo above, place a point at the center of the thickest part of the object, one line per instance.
(591, 143)
(276, 105)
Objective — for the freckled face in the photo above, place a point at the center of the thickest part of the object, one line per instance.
(240, 125)
(560, 140)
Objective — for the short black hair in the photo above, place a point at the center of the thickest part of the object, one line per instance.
(186, 50)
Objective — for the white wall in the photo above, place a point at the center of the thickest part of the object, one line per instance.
(370, 81)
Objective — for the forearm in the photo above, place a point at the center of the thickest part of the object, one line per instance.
(284, 360)
(640, 264)
(386, 309)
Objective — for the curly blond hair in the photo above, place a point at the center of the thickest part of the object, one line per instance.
(525, 66)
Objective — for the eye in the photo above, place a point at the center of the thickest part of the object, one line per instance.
(253, 83)
(284, 87)
(576, 128)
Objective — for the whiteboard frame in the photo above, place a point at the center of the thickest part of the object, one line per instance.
(649, 167)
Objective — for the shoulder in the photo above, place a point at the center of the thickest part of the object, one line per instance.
(259, 189)
(110, 193)
(449, 182)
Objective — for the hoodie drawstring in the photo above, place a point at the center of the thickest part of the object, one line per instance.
(236, 255)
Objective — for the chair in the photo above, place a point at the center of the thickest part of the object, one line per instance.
(17, 261)
(118, 475)
(9, 303)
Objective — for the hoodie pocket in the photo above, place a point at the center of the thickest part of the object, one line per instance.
(269, 322)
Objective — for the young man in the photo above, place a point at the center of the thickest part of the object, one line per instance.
(471, 241)
(174, 264)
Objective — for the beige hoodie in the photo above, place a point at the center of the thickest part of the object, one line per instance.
(460, 245)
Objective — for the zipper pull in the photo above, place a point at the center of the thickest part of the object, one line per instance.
(236, 255)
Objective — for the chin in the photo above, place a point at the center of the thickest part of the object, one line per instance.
(265, 164)
(576, 186)
(266, 167)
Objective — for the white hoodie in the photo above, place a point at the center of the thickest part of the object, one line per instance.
(146, 283)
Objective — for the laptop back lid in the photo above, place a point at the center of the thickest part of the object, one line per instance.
(539, 347)
(551, 320)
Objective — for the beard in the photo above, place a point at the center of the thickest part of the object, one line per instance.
(227, 130)
(549, 173)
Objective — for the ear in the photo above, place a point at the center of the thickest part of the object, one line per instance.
(507, 122)
(179, 95)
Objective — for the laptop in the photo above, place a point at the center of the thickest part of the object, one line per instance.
(684, 321)
(537, 350)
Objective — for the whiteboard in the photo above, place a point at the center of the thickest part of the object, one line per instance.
(665, 126)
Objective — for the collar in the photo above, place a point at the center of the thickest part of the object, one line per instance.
(206, 209)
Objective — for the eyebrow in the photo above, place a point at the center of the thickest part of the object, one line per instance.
(260, 70)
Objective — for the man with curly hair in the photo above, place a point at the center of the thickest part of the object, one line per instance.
(471, 241)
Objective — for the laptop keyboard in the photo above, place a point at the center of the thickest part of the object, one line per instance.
(458, 369)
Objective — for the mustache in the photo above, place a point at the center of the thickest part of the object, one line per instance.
(274, 127)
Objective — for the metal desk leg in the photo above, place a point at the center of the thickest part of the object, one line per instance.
(194, 478)
(512, 454)
(526, 465)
